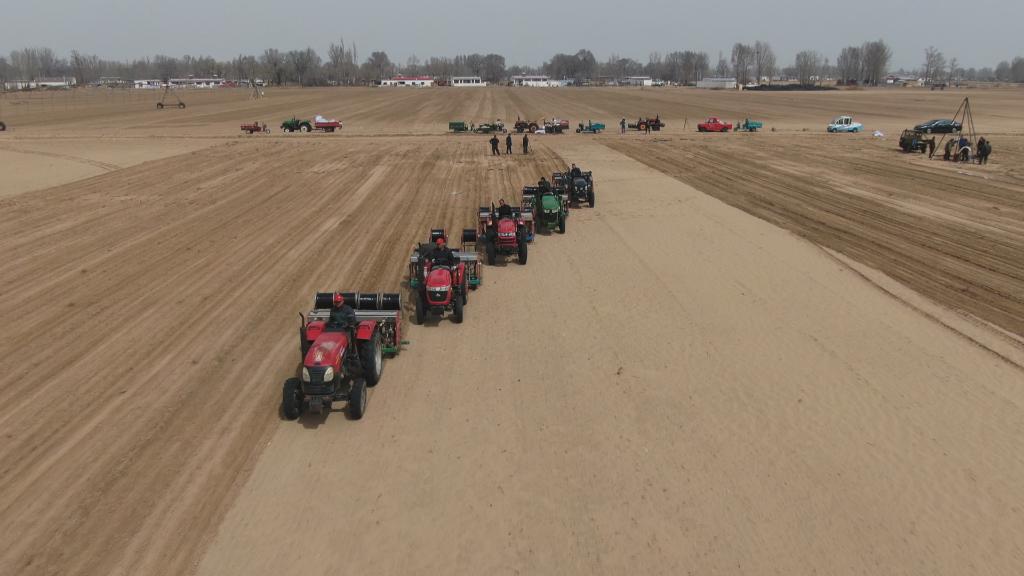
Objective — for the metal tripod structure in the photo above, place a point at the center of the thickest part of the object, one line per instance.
(966, 119)
(163, 99)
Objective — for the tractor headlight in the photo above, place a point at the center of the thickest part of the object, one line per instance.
(305, 374)
(329, 374)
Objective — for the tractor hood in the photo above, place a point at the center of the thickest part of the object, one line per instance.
(550, 203)
(506, 226)
(439, 278)
(327, 349)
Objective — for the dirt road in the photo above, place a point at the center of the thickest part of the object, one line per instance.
(774, 371)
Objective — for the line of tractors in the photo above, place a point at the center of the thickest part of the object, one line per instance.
(346, 336)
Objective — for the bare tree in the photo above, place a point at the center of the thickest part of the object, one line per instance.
(742, 62)
(273, 65)
(952, 78)
(934, 64)
(850, 65)
(722, 70)
(808, 66)
(875, 57)
(764, 61)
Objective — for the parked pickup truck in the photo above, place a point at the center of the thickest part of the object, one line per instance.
(713, 124)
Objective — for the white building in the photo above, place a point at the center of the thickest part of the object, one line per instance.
(147, 84)
(638, 81)
(541, 81)
(467, 81)
(717, 83)
(57, 82)
(418, 81)
(196, 82)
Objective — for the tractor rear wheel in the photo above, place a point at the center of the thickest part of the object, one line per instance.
(373, 360)
(291, 402)
(304, 128)
(533, 127)
(421, 308)
(159, 105)
(181, 105)
(357, 399)
(522, 251)
(492, 251)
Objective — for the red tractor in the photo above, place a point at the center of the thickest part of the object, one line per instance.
(504, 232)
(525, 126)
(341, 359)
(713, 124)
(642, 124)
(441, 286)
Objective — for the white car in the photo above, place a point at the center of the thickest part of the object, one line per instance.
(844, 124)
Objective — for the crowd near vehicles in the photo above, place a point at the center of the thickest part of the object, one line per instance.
(844, 124)
(912, 141)
(713, 124)
(940, 126)
(502, 235)
(590, 128)
(319, 124)
(340, 361)
(642, 124)
(256, 127)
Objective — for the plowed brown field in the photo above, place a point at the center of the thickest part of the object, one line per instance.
(785, 352)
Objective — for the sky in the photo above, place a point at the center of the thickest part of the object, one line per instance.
(978, 33)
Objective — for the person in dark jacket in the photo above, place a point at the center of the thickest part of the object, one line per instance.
(984, 149)
(575, 172)
(526, 143)
(544, 185)
(504, 210)
(343, 318)
(442, 255)
(508, 144)
(494, 146)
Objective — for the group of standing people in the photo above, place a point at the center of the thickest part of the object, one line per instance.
(959, 150)
(508, 144)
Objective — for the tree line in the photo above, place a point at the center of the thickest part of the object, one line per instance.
(867, 64)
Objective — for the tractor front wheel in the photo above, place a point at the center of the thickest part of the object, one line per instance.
(291, 402)
(357, 399)
(421, 308)
(561, 223)
(590, 198)
(492, 251)
(457, 312)
(522, 251)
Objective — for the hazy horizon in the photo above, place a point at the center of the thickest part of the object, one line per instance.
(530, 33)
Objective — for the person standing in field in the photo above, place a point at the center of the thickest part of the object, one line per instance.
(508, 144)
(526, 143)
(494, 146)
(622, 126)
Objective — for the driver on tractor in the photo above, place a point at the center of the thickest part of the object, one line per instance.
(343, 318)
(544, 185)
(504, 210)
(575, 172)
(442, 255)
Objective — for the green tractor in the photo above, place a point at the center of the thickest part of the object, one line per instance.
(550, 207)
(490, 128)
(295, 125)
(458, 126)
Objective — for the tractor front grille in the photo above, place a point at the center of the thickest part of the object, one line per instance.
(316, 385)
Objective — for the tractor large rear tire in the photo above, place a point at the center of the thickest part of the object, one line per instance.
(522, 251)
(492, 251)
(457, 314)
(159, 105)
(421, 308)
(291, 402)
(181, 105)
(372, 359)
(357, 400)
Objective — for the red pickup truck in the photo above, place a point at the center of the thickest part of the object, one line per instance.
(713, 124)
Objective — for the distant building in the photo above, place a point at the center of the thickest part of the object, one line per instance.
(539, 81)
(196, 82)
(637, 81)
(717, 83)
(147, 84)
(53, 82)
(467, 81)
(418, 81)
